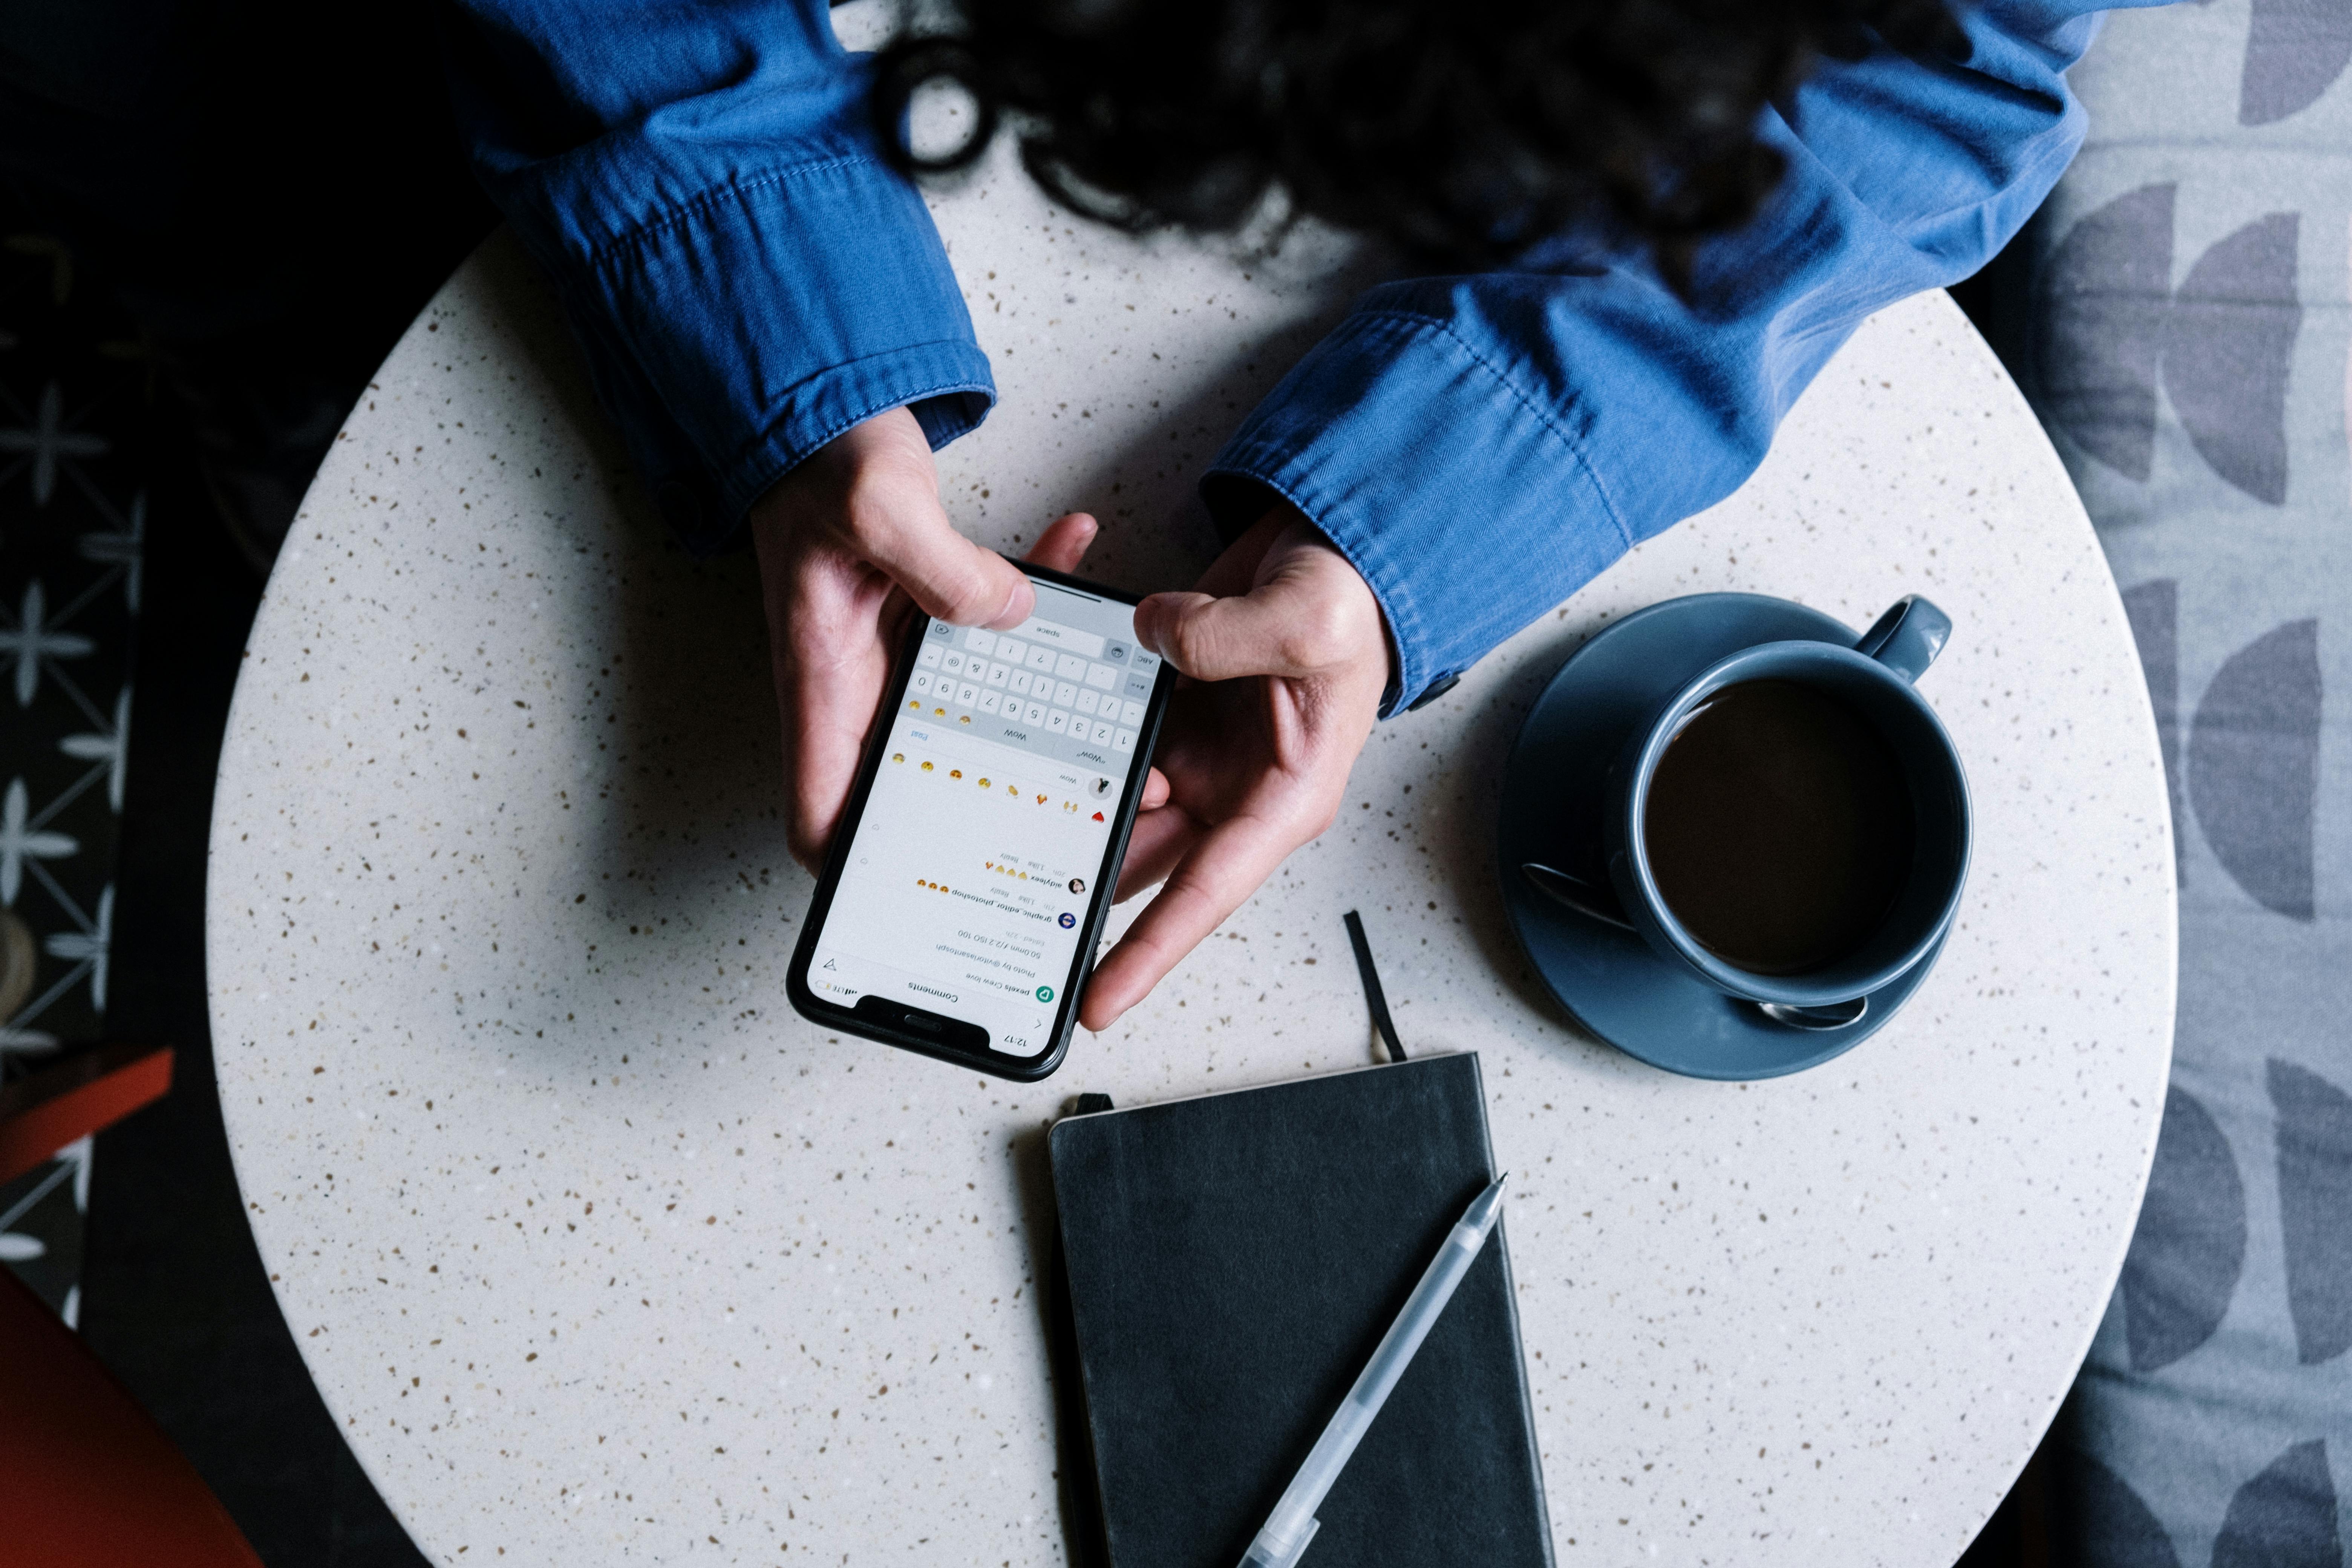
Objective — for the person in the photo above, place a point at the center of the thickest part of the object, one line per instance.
(1635, 229)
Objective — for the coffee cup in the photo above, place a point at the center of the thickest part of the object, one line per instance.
(1791, 825)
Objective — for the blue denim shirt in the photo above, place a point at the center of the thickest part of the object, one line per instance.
(749, 279)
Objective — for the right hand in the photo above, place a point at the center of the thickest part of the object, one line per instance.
(1286, 655)
(845, 542)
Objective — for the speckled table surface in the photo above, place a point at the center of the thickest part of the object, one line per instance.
(600, 1254)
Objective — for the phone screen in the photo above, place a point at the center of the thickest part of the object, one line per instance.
(974, 866)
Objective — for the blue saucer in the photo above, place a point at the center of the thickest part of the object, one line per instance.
(1607, 978)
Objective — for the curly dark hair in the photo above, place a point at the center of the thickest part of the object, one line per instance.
(1461, 130)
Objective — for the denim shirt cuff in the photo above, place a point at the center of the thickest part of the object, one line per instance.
(739, 330)
(1467, 509)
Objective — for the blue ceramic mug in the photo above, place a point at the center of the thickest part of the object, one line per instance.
(1873, 680)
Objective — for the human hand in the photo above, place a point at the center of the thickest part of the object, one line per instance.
(1287, 656)
(846, 543)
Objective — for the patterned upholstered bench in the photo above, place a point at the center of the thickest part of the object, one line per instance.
(2179, 315)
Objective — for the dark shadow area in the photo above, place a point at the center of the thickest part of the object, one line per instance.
(271, 189)
(175, 1301)
(1999, 302)
(694, 750)
(2019, 1534)
(267, 193)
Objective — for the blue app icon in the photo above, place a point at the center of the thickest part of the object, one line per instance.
(1068, 921)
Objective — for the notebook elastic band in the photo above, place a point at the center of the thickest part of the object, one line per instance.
(1373, 995)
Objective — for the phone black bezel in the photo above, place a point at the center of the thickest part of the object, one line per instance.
(832, 1015)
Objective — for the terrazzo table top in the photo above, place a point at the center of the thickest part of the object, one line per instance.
(600, 1254)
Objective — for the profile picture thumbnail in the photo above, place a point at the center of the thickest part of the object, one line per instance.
(1078, 884)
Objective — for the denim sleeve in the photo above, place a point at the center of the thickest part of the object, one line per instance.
(747, 277)
(1482, 447)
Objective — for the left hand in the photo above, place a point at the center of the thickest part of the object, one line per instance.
(848, 543)
(1285, 655)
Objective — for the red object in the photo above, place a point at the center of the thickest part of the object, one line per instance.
(1097, 816)
(86, 1480)
(42, 1113)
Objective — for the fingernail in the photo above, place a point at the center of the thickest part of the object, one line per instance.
(1008, 617)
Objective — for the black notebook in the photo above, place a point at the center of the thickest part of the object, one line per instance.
(1231, 1261)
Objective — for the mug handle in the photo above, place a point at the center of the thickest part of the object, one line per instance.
(1908, 637)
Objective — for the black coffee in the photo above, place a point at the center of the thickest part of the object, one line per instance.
(1778, 827)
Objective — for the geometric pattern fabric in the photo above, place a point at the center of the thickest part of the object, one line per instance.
(77, 421)
(2188, 342)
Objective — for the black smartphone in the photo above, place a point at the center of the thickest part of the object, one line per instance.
(966, 890)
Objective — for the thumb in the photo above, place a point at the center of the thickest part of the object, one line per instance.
(944, 573)
(1273, 629)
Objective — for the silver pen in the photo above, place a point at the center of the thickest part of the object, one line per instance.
(1293, 1522)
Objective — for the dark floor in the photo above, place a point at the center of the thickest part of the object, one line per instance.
(239, 203)
(160, 1271)
(173, 1296)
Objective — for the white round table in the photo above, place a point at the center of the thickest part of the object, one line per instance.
(599, 1253)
